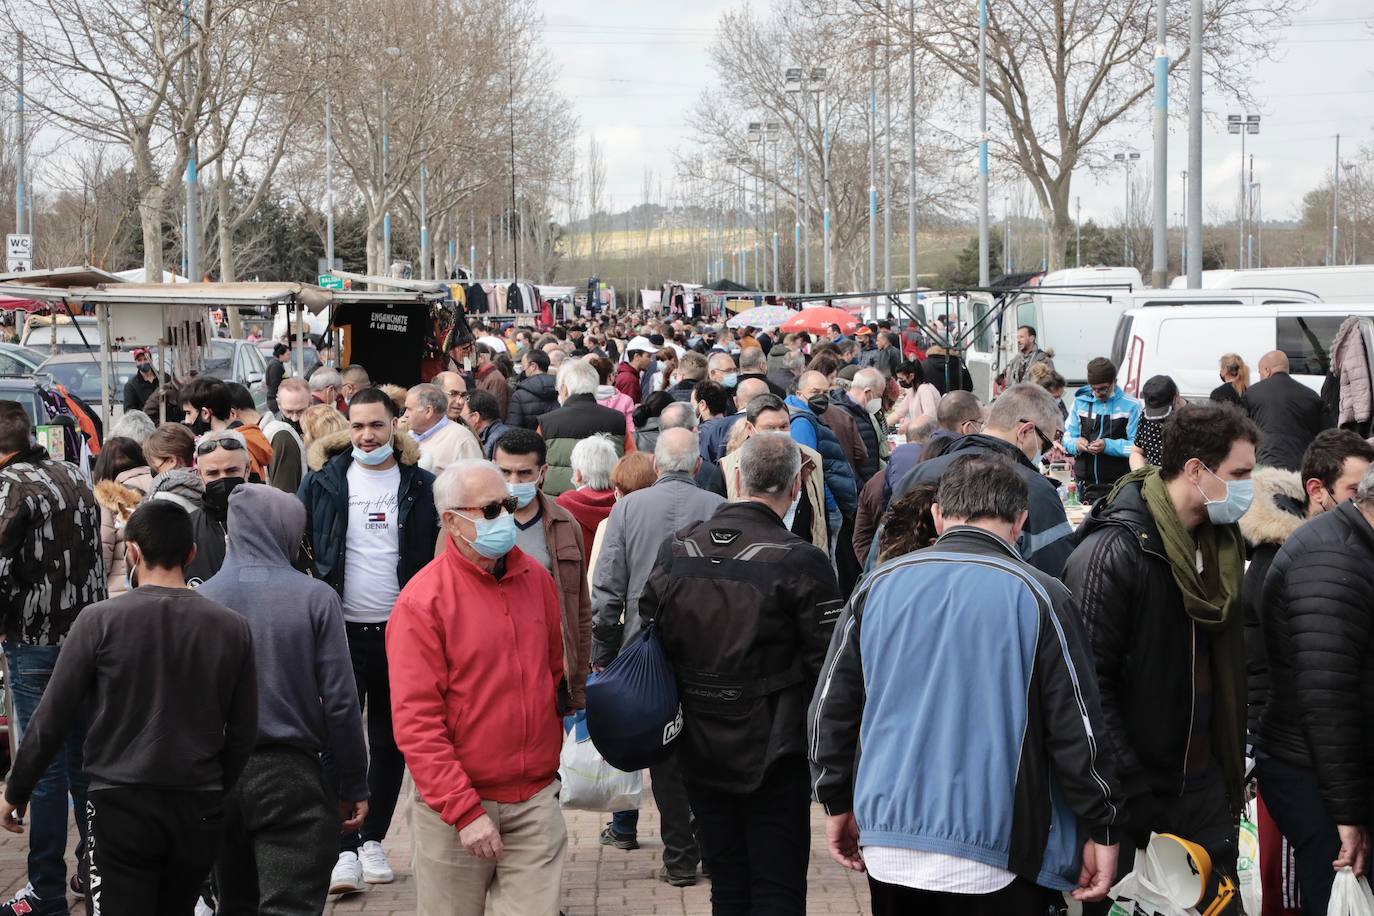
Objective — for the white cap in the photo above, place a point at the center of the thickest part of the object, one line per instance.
(640, 345)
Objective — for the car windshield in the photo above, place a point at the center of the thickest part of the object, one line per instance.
(82, 377)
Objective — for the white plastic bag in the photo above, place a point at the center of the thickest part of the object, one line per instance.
(1168, 880)
(1350, 896)
(589, 782)
(1247, 863)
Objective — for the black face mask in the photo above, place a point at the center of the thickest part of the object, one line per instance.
(200, 427)
(217, 495)
(294, 424)
(905, 382)
(819, 404)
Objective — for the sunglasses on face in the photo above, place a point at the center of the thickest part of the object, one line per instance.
(492, 510)
(209, 445)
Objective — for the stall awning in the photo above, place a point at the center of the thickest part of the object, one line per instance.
(15, 304)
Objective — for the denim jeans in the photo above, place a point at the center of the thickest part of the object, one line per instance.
(626, 823)
(30, 669)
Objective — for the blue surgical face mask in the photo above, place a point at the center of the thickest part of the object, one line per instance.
(495, 537)
(373, 458)
(1228, 511)
(523, 493)
(731, 379)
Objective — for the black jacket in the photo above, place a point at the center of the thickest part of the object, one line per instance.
(579, 417)
(1277, 510)
(1319, 630)
(871, 463)
(1289, 414)
(325, 494)
(1047, 538)
(137, 390)
(1143, 644)
(947, 373)
(773, 386)
(745, 611)
(682, 391)
(531, 399)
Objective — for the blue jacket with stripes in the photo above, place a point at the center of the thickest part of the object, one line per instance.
(958, 713)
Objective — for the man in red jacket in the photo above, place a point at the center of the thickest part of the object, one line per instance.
(476, 653)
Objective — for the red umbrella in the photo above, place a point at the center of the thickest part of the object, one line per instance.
(818, 320)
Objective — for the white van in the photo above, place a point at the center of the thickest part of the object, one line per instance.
(1074, 316)
(1186, 342)
(60, 333)
(1352, 283)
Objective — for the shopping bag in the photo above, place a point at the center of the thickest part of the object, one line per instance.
(633, 713)
(1247, 863)
(1350, 896)
(1169, 879)
(589, 782)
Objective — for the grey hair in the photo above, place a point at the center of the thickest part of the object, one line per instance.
(557, 357)
(594, 457)
(752, 358)
(324, 378)
(921, 429)
(977, 487)
(577, 376)
(678, 414)
(135, 425)
(769, 462)
(1364, 493)
(793, 360)
(450, 490)
(1026, 401)
(679, 458)
(431, 396)
(718, 360)
(867, 378)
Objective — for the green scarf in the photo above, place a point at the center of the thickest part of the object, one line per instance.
(1212, 599)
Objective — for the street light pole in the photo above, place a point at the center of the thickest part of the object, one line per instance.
(872, 170)
(1183, 246)
(328, 180)
(1336, 206)
(1078, 232)
(1127, 159)
(192, 239)
(983, 277)
(21, 146)
(1243, 125)
(911, 154)
(1159, 272)
(386, 215)
(887, 148)
(820, 75)
(1194, 217)
(773, 131)
(424, 225)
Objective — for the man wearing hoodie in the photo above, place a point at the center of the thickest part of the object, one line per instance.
(1100, 431)
(281, 819)
(1284, 500)
(638, 354)
(1157, 577)
(371, 526)
(537, 393)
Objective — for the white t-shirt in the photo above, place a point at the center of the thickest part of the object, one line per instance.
(933, 871)
(373, 546)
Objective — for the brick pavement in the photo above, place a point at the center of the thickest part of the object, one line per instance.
(597, 880)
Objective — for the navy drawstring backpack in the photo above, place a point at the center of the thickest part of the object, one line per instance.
(633, 714)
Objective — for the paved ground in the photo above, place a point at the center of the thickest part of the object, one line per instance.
(597, 881)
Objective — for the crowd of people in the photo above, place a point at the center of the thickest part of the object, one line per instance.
(230, 639)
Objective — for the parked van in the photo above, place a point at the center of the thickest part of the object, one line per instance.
(1185, 341)
(1073, 314)
(1353, 283)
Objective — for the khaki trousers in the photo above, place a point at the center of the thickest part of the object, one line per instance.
(525, 881)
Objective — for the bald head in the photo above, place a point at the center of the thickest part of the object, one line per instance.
(1271, 362)
(959, 412)
(678, 451)
(811, 384)
(749, 389)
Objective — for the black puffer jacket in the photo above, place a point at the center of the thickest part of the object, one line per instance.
(1319, 630)
(1143, 643)
(1276, 512)
(531, 399)
(745, 610)
(871, 462)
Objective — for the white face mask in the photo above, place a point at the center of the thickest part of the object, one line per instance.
(467, 363)
(874, 405)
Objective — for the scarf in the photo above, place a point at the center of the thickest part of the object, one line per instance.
(1211, 598)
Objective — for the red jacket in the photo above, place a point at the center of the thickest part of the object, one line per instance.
(590, 508)
(627, 381)
(475, 665)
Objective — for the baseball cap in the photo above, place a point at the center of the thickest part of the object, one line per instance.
(640, 345)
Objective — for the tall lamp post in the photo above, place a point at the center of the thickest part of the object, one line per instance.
(818, 79)
(796, 82)
(1242, 125)
(772, 133)
(1127, 159)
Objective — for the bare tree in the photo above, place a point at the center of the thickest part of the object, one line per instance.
(596, 190)
(1061, 73)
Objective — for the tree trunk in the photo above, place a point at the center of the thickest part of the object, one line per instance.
(150, 206)
(227, 273)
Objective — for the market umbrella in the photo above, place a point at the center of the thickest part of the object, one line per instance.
(763, 317)
(817, 320)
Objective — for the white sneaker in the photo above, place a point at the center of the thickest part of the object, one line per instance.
(347, 877)
(376, 869)
(203, 908)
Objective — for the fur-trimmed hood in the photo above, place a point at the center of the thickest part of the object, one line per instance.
(323, 449)
(120, 501)
(1278, 508)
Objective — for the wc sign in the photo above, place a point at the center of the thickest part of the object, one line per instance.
(18, 253)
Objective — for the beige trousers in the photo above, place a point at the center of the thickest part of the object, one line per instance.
(525, 881)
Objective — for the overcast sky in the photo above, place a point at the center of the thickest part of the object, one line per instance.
(634, 68)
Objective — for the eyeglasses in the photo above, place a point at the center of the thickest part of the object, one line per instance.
(1103, 389)
(491, 510)
(1045, 441)
(206, 446)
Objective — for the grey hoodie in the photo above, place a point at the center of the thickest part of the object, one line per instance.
(306, 693)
